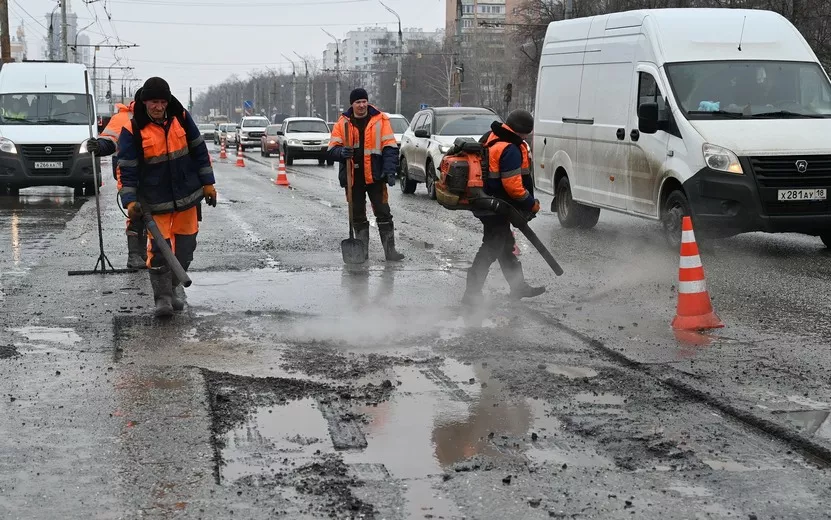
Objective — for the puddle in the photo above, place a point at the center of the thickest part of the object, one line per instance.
(571, 372)
(600, 399)
(727, 465)
(810, 422)
(450, 261)
(275, 438)
(63, 336)
(691, 491)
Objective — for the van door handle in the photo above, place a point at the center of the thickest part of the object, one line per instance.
(621, 134)
(634, 134)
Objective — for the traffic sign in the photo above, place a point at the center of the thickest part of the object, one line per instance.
(423, 106)
(248, 104)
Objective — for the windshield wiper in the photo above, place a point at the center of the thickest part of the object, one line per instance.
(786, 114)
(14, 118)
(726, 113)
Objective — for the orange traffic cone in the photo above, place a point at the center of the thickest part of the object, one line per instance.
(240, 162)
(282, 179)
(695, 310)
(222, 154)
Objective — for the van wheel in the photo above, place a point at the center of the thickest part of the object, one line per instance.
(431, 181)
(573, 214)
(674, 210)
(289, 160)
(408, 187)
(826, 239)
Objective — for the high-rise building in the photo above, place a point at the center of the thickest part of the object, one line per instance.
(479, 13)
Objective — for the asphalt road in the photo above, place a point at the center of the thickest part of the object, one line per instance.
(294, 387)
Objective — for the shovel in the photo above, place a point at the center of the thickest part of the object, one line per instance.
(351, 248)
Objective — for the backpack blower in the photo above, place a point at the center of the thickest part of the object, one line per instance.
(461, 187)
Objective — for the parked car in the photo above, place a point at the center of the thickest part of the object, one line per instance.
(305, 138)
(228, 131)
(399, 126)
(250, 130)
(431, 135)
(269, 142)
(735, 136)
(208, 130)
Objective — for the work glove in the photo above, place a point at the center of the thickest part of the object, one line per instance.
(391, 179)
(134, 211)
(346, 153)
(92, 146)
(532, 214)
(210, 194)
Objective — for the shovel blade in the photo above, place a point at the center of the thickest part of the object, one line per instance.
(352, 250)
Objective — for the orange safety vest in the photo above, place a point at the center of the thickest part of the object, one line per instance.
(377, 136)
(511, 181)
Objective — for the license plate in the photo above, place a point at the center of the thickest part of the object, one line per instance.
(48, 165)
(311, 148)
(798, 195)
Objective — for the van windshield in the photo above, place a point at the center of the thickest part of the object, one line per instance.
(750, 89)
(45, 109)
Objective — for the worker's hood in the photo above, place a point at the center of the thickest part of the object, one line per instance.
(46, 134)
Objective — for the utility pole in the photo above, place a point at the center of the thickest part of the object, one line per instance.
(326, 95)
(190, 99)
(569, 9)
(256, 105)
(399, 60)
(110, 92)
(293, 88)
(308, 86)
(5, 39)
(458, 66)
(64, 31)
(337, 74)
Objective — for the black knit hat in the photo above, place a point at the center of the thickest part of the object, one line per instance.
(137, 97)
(155, 88)
(357, 94)
(520, 121)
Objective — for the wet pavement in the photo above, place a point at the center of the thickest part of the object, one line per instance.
(294, 387)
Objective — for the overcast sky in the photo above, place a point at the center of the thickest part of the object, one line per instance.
(198, 43)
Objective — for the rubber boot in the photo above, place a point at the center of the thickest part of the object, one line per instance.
(136, 251)
(160, 279)
(362, 234)
(179, 298)
(387, 232)
(476, 276)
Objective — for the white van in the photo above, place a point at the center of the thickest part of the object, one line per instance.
(44, 123)
(721, 114)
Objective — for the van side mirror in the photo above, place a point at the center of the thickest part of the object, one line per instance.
(648, 118)
(422, 133)
(280, 132)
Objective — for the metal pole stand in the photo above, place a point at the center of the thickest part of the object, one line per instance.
(101, 265)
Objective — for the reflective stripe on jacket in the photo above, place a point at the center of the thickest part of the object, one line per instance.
(380, 148)
(173, 166)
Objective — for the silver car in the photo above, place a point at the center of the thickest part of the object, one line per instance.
(430, 136)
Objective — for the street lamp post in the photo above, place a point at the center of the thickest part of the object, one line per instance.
(337, 72)
(400, 56)
(308, 86)
(293, 88)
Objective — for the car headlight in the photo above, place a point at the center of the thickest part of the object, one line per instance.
(272, 141)
(7, 146)
(721, 159)
(81, 149)
(443, 148)
(324, 142)
(295, 142)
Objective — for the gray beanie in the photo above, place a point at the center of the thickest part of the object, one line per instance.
(520, 121)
